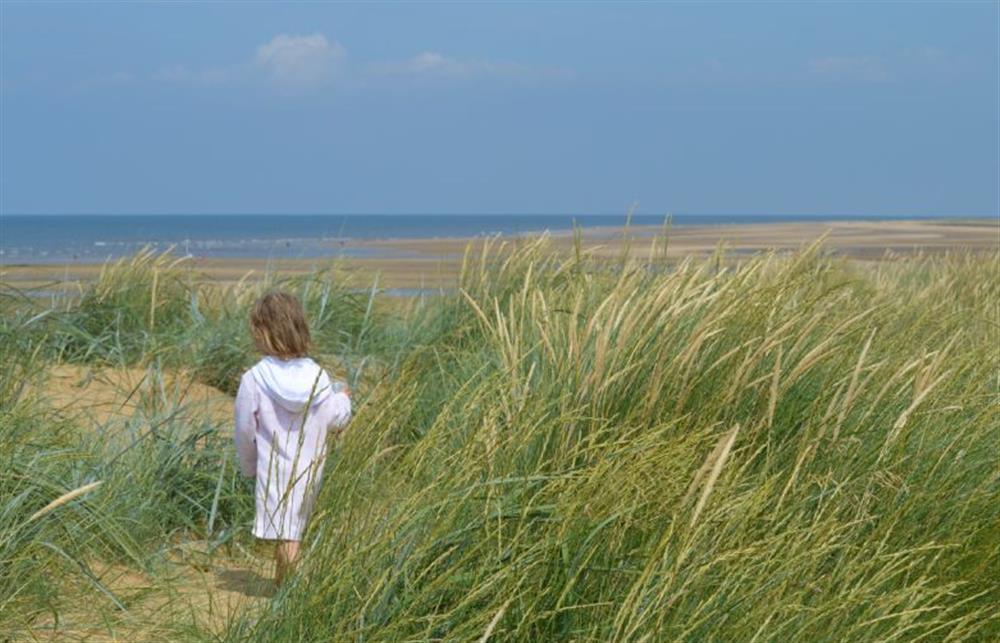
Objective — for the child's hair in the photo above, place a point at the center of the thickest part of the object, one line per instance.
(278, 326)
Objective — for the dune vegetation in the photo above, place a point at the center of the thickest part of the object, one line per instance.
(776, 448)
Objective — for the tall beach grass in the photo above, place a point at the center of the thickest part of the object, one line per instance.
(791, 448)
(564, 448)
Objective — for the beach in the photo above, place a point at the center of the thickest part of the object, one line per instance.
(749, 414)
(406, 266)
(499, 322)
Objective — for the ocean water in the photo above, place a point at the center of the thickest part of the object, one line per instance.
(91, 238)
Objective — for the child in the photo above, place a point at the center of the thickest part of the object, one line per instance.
(285, 406)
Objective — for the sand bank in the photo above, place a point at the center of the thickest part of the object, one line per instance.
(434, 263)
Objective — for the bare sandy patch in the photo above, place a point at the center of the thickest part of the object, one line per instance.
(97, 396)
(192, 594)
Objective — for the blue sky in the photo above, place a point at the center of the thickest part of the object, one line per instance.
(769, 108)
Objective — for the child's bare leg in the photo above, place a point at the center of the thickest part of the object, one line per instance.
(285, 553)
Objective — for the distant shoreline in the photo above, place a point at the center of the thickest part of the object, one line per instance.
(83, 239)
(428, 263)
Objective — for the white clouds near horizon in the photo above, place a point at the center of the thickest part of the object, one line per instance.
(286, 62)
(868, 69)
(432, 64)
(295, 63)
(921, 63)
(300, 61)
(303, 63)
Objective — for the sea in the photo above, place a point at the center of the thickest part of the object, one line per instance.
(78, 238)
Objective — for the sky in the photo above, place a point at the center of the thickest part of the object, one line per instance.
(886, 108)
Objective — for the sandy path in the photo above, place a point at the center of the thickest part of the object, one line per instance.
(191, 596)
(97, 397)
(194, 591)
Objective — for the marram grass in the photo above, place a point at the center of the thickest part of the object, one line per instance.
(792, 448)
(785, 448)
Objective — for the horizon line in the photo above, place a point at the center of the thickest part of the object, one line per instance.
(499, 214)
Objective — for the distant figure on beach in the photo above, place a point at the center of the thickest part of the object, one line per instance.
(285, 408)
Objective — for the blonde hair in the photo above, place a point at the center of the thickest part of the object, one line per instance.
(278, 326)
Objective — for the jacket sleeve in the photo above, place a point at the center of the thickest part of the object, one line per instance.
(246, 427)
(340, 413)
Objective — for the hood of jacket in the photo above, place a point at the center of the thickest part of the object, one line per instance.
(293, 384)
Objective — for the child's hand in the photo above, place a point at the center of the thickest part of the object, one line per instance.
(341, 387)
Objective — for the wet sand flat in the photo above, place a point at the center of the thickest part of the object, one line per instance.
(849, 238)
(434, 263)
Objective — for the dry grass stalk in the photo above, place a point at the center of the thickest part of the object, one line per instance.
(772, 402)
(63, 499)
(724, 448)
(152, 300)
(493, 623)
(853, 386)
(905, 415)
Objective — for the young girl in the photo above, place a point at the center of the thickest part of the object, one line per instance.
(285, 407)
